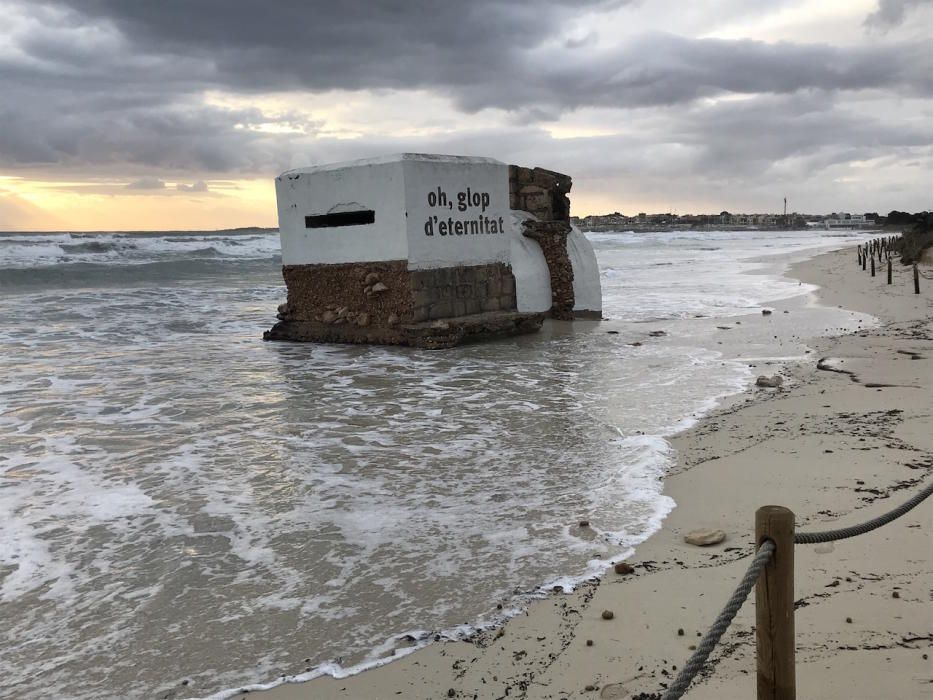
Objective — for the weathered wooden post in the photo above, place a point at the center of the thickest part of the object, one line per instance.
(916, 279)
(864, 261)
(774, 606)
(872, 265)
(889, 270)
(860, 256)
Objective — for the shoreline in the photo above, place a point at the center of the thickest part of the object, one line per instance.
(541, 653)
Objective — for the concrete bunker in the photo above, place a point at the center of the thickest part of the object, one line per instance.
(428, 250)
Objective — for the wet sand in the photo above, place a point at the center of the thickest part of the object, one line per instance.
(837, 448)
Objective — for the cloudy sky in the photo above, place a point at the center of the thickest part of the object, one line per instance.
(178, 114)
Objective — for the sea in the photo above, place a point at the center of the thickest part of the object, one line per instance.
(188, 510)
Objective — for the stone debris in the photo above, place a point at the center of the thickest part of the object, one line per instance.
(624, 568)
(608, 614)
(766, 312)
(379, 288)
(769, 382)
(704, 537)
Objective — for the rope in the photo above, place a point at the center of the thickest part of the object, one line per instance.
(843, 533)
(709, 642)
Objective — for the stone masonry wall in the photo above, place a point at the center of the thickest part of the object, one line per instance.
(540, 192)
(552, 237)
(543, 193)
(460, 291)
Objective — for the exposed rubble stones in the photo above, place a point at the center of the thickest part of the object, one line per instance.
(540, 192)
(773, 382)
(332, 302)
(552, 237)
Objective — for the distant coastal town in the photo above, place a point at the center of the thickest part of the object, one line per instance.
(729, 221)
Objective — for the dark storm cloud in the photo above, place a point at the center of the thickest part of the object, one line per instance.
(890, 13)
(118, 85)
(351, 44)
(485, 53)
(663, 69)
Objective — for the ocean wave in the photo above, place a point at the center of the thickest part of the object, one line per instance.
(30, 251)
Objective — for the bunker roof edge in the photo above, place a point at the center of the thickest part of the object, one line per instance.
(391, 158)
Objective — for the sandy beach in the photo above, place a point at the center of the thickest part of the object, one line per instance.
(837, 448)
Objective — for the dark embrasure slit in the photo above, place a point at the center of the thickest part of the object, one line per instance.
(342, 218)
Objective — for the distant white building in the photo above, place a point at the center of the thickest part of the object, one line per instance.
(844, 220)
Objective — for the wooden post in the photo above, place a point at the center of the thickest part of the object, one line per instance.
(916, 279)
(872, 265)
(889, 270)
(774, 606)
(864, 261)
(860, 256)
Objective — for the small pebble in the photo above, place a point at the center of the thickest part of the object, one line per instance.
(584, 523)
(608, 614)
(895, 595)
(451, 693)
(849, 620)
(589, 642)
(590, 688)
(680, 632)
(623, 568)
(692, 647)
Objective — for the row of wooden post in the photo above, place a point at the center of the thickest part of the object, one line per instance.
(884, 249)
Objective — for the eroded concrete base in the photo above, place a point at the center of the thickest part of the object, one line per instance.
(433, 335)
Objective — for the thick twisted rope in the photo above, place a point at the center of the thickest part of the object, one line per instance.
(709, 642)
(843, 533)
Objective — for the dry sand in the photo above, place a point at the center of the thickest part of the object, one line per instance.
(835, 450)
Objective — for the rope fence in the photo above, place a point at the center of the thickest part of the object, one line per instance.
(874, 524)
(695, 663)
(775, 675)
